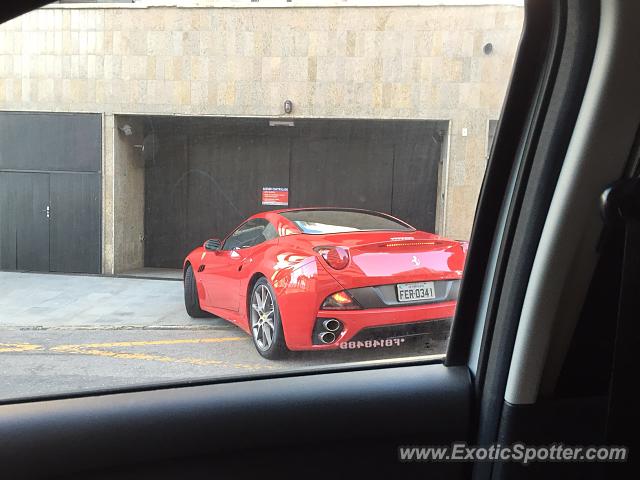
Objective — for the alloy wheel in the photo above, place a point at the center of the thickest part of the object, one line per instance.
(263, 317)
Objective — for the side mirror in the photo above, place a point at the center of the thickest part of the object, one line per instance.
(213, 244)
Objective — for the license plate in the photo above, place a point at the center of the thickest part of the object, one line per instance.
(411, 292)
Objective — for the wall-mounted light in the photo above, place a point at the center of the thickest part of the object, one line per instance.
(488, 48)
(288, 106)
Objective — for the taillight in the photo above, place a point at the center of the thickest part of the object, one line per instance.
(336, 257)
(340, 301)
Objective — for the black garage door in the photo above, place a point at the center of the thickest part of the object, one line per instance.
(204, 176)
(50, 192)
(385, 166)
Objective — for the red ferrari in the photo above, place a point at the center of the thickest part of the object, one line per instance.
(324, 278)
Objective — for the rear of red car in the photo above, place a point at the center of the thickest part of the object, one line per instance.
(375, 288)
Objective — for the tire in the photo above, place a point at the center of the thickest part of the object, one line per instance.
(191, 300)
(266, 328)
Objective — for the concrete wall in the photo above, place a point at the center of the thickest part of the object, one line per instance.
(128, 200)
(350, 62)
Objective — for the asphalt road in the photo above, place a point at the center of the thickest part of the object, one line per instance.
(71, 333)
(46, 361)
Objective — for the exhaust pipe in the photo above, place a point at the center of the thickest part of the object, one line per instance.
(331, 324)
(327, 337)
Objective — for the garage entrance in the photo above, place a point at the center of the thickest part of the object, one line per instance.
(50, 187)
(204, 176)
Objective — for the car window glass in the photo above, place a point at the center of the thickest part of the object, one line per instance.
(338, 221)
(250, 234)
(350, 135)
(270, 231)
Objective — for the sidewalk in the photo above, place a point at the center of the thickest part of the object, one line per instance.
(59, 300)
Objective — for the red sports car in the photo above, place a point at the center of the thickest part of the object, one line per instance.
(324, 278)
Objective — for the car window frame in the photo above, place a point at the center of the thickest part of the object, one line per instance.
(461, 347)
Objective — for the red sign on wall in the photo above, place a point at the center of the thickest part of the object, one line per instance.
(275, 196)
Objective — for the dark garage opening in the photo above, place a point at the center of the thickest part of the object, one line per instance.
(50, 192)
(203, 176)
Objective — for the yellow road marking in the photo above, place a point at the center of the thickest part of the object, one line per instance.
(162, 358)
(19, 347)
(101, 350)
(151, 342)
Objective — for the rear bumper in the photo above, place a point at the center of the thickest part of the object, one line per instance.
(378, 321)
(439, 328)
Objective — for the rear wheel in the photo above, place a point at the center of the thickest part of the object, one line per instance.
(191, 300)
(265, 322)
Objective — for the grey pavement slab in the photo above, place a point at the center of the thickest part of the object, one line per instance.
(53, 300)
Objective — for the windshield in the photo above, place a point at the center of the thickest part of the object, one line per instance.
(341, 221)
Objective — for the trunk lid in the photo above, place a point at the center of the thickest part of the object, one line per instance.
(379, 258)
